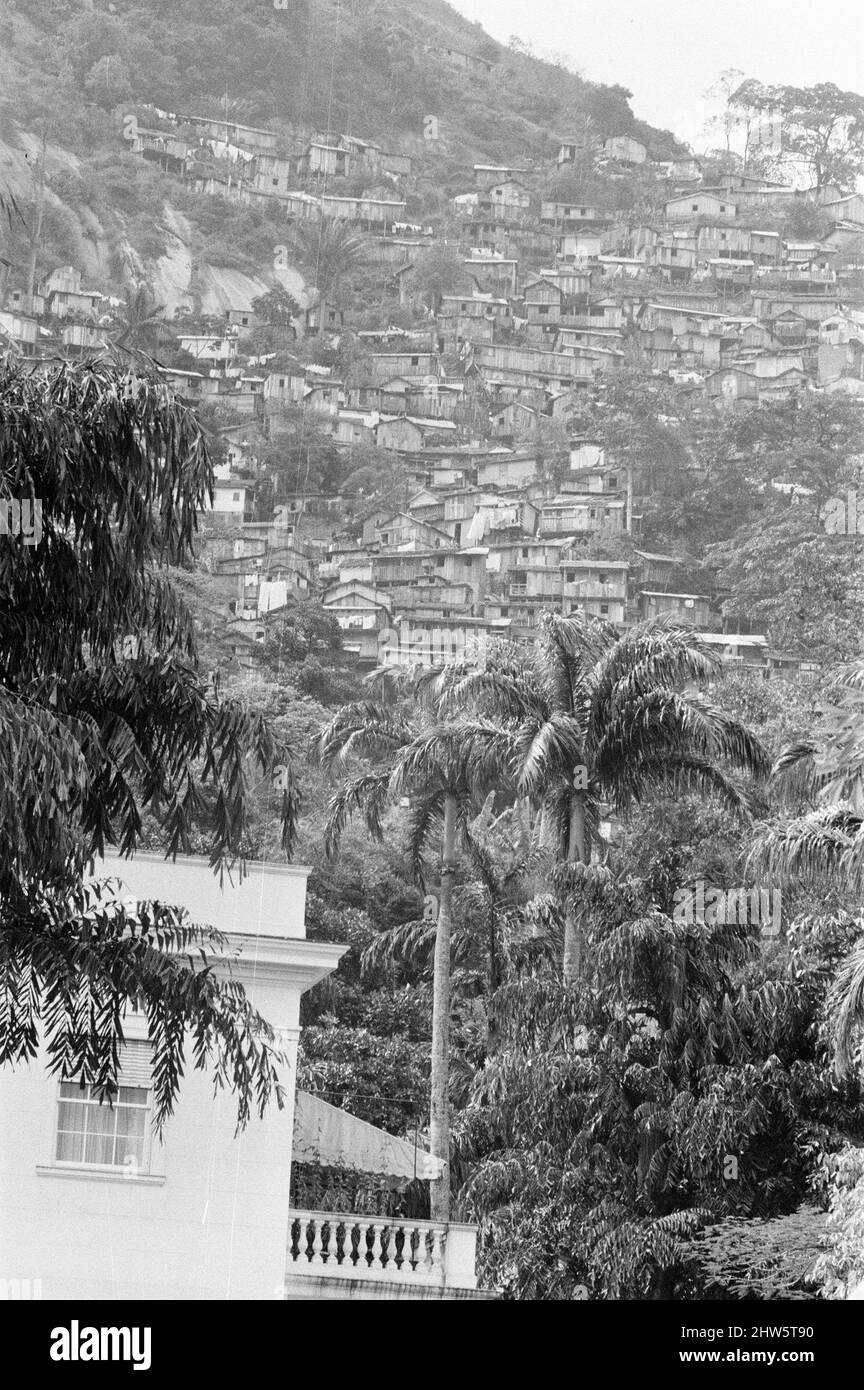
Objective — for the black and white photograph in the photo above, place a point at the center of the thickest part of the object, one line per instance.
(431, 671)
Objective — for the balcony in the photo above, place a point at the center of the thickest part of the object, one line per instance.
(342, 1255)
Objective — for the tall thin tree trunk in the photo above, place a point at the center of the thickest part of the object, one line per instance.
(576, 854)
(36, 236)
(494, 979)
(439, 1129)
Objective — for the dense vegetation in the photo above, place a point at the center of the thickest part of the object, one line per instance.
(70, 74)
(640, 1105)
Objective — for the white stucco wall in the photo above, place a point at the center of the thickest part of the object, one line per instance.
(210, 1222)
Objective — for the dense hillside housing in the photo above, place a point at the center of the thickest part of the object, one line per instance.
(557, 296)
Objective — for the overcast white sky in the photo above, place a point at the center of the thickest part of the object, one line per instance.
(667, 52)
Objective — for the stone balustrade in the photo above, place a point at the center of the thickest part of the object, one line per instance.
(341, 1245)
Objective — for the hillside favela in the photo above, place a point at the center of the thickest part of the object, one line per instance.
(431, 670)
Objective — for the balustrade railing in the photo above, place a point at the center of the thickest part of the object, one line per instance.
(346, 1246)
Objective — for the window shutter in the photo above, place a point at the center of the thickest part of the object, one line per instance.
(136, 1061)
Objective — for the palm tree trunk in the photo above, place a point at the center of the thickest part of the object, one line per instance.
(572, 961)
(439, 1128)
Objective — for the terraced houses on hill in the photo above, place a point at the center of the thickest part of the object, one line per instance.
(556, 299)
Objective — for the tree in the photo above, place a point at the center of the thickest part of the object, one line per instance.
(105, 721)
(304, 629)
(840, 1268)
(278, 309)
(826, 844)
(142, 325)
(330, 251)
(822, 126)
(679, 1083)
(779, 467)
(438, 270)
(786, 578)
(728, 122)
(442, 770)
(761, 1259)
(597, 718)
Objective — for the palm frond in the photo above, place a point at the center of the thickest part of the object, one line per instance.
(363, 795)
(845, 1010)
(364, 729)
(679, 773)
(825, 842)
(549, 751)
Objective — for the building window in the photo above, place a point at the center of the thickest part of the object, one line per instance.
(604, 609)
(100, 1135)
(695, 207)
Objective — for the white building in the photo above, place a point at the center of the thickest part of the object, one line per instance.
(94, 1206)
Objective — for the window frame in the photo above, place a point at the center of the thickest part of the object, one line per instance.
(87, 1105)
(140, 1171)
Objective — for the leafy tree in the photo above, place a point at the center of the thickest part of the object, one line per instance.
(365, 1038)
(304, 629)
(826, 844)
(841, 1268)
(106, 720)
(278, 309)
(804, 220)
(438, 270)
(765, 1260)
(823, 126)
(680, 1082)
(727, 124)
(786, 578)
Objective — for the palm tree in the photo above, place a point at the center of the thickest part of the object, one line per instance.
(599, 717)
(143, 325)
(443, 770)
(329, 250)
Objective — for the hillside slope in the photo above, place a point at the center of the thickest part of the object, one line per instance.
(69, 71)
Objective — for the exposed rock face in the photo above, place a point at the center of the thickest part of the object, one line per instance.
(175, 278)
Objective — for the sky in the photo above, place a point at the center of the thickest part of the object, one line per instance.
(669, 52)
